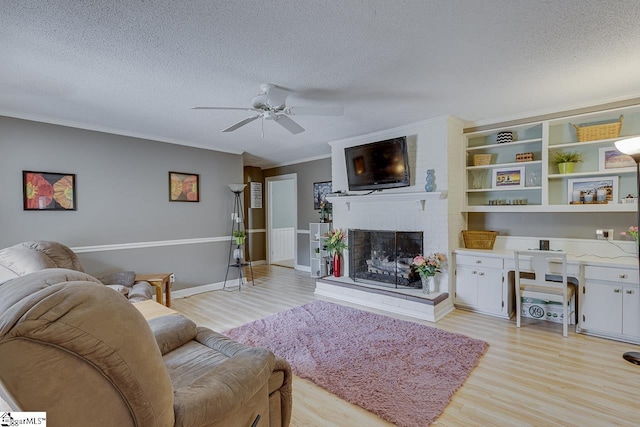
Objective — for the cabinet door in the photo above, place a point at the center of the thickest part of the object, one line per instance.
(490, 289)
(601, 307)
(631, 311)
(467, 285)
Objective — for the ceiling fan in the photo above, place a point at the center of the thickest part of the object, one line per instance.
(269, 104)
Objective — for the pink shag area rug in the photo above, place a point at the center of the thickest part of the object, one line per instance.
(404, 372)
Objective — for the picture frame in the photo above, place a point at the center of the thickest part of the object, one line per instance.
(611, 158)
(48, 191)
(588, 190)
(184, 187)
(320, 191)
(512, 177)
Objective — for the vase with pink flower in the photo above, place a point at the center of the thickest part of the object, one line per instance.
(427, 267)
(632, 232)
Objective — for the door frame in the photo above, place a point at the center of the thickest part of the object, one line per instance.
(269, 214)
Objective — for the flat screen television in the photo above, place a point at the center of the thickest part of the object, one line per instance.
(378, 165)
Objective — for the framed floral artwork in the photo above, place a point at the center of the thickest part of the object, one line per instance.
(48, 191)
(184, 187)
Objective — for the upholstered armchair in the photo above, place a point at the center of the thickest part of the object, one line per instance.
(79, 351)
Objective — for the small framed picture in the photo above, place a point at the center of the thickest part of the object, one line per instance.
(48, 191)
(184, 187)
(610, 158)
(320, 191)
(508, 177)
(593, 190)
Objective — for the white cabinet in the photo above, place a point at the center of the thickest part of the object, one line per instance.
(537, 185)
(610, 303)
(479, 284)
(317, 251)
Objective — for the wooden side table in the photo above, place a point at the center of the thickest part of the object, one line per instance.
(157, 280)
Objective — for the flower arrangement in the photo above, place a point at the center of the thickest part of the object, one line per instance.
(632, 231)
(336, 242)
(430, 265)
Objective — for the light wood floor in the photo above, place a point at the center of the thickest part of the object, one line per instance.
(530, 376)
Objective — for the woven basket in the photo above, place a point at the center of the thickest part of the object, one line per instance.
(479, 239)
(481, 159)
(599, 131)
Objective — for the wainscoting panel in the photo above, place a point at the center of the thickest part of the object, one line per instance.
(282, 246)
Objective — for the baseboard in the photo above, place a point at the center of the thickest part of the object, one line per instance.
(306, 268)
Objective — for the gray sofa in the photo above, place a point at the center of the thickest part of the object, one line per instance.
(28, 257)
(79, 351)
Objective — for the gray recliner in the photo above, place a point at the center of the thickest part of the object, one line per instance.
(77, 350)
(28, 257)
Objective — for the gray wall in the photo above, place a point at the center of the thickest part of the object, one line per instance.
(308, 173)
(122, 197)
(283, 204)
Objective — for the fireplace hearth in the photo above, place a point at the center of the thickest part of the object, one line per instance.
(383, 257)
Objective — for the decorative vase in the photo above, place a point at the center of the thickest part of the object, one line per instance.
(566, 167)
(429, 284)
(430, 186)
(336, 265)
(237, 253)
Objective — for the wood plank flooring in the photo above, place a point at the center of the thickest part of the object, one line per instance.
(530, 376)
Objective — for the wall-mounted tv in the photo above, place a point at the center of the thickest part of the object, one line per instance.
(378, 165)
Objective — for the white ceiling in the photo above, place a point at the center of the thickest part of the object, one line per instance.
(137, 67)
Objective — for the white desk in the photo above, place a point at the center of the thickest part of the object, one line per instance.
(608, 293)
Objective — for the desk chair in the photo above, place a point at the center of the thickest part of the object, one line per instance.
(544, 285)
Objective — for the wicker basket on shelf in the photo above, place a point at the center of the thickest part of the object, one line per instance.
(599, 131)
(479, 239)
(481, 159)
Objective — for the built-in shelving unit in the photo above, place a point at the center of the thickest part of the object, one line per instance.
(317, 251)
(541, 187)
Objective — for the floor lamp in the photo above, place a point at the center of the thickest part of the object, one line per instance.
(631, 146)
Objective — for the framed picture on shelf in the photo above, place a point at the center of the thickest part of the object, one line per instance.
(184, 187)
(48, 191)
(610, 158)
(508, 177)
(593, 190)
(320, 191)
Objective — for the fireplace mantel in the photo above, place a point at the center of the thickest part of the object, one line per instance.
(419, 197)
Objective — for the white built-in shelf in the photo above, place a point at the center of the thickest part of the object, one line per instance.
(504, 165)
(617, 207)
(619, 171)
(584, 143)
(505, 144)
(484, 190)
(420, 198)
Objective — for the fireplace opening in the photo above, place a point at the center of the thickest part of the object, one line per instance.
(383, 257)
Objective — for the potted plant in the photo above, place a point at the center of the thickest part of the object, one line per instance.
(427, 267)
(239, 236)
(566, 160)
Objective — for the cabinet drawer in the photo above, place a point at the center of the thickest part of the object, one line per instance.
(479, 261)
(612, 274)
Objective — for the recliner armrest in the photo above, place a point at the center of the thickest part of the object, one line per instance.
(225, 389)
(172, 331)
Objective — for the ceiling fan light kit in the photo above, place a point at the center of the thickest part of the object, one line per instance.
(270, 104)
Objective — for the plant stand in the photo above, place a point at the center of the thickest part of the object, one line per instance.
(238, 227)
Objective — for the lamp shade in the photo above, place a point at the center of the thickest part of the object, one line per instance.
(630, 146)
(237, 188)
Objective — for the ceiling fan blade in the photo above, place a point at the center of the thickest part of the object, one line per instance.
(315, 111)
(275, 96)
(241, 123)
(289, 124)
(224, 108)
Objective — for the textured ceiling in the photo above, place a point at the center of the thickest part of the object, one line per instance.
(137, 67)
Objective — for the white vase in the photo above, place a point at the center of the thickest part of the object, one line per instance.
(428, 284)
